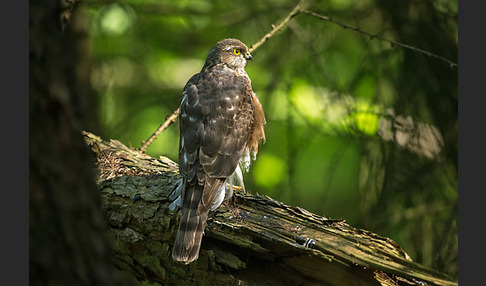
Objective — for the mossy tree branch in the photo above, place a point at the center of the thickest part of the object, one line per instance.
(253, 240)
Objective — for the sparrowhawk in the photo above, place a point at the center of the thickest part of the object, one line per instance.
(221, 126)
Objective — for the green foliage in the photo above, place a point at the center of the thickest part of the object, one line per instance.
(269, 171)
(325, 91)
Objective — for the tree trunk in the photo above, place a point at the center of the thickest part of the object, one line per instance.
(67, 236)
(253, 240)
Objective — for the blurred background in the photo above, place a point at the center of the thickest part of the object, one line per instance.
(358, 128)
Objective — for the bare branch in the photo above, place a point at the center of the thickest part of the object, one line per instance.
(168, 121)
(282, 24)
(372, 36)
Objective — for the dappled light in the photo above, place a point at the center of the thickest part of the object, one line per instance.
(360, 100)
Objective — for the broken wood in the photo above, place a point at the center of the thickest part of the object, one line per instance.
(253, 240)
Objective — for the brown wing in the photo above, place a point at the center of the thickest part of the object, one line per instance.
(216, 116)
(216, 120)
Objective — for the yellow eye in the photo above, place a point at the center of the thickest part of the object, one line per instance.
(236, 51)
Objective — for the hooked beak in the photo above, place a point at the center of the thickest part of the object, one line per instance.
(248, 57)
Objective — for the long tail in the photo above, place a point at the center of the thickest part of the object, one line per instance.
(194, 216)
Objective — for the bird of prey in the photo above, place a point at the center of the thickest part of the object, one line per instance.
(221, 125)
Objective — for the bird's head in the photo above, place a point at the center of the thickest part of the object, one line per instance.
(231, 52)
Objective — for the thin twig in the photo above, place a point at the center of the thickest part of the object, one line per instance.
(297, 10)
(282, 24)
(168, 121)
(393, 43)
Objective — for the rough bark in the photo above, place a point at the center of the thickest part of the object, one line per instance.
(253, 240)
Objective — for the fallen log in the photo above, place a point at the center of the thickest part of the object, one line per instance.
(252, 240)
